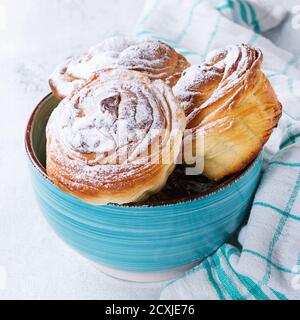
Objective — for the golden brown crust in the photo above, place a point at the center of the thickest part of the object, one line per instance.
(230, 101)
(54, 90)
(154, 58)
(98, 138)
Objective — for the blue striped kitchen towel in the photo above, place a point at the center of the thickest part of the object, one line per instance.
(268, 265)
(259, 15)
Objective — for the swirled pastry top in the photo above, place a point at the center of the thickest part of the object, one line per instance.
(230, 101)
(154, 58)
(106, 140)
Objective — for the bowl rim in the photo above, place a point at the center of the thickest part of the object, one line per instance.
(42, 171)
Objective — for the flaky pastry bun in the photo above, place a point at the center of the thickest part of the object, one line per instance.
(229, 101)
(154, 58)
(115, 139)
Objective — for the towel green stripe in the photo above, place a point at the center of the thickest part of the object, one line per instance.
(212, 280)
(248, 283)
(290, 63)
(188, 23)
(285, 214)
(154, 36)
(289, 140)
(286, 164)
(280, 228)
(253, 39)
(290, 116)
(290, 84)
(243, 11)
(258, 255)
(189, 53)
(279, 295)
(255, 24)
(298, 259)
(289, 132)
(224, 6)
(254, 19)
(233, 11)
(212, 35)
(226, 281)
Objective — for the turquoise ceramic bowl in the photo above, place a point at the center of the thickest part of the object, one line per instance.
(143, 243)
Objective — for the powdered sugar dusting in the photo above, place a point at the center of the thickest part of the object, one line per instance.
(155, 58)
(109, 122)
(222, 70)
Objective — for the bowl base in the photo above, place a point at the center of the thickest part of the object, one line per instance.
(145, 277)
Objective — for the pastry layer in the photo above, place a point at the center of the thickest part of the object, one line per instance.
(232, 105)
(154, 58)
(116, 138)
